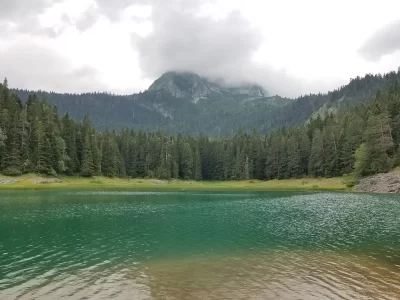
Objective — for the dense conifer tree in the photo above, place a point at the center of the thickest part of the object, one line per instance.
(87, 158)
(316, 161)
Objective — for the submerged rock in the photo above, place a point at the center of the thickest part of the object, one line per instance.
(380, 183)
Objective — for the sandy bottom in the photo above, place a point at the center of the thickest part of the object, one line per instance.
(272, 275)
(277, 275)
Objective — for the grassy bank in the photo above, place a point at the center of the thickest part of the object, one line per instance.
(27, 182)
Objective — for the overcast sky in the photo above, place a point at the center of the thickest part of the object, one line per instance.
(290, 47)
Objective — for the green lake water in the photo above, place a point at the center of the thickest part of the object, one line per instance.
(145, 245)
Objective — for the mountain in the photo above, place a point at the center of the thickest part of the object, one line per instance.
(175, 102)
(196, 88)
(188, 103)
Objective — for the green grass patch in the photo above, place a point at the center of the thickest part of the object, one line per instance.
(26, 182)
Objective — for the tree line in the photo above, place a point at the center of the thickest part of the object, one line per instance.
(364, 139)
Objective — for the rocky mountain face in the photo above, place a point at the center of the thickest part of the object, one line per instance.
(193, 87)
(183, 85)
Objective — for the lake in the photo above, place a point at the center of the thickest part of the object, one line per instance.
(145, 245)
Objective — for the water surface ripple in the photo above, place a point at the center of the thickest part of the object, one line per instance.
(151, 245)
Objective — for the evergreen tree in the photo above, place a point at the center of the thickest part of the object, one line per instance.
(96, 154)
(69, 136)
(273, 157)
(61, 154)
(186, 165)
(352, 139)
(121, 171)
(26, 161)
(304, 150)
(197, 165)
(246, 172)
(283, 160)
(316, 161)
(110, 157)
(164, 170)
(41, 150)
(294, 158)
(361, 160)
(46, 166)
(13, 157)
(2, 138)
(332, 149)
(87, 158)
(378, 143)
(239, 165)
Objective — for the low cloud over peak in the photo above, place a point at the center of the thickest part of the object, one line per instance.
(223, 48)
(183, 42)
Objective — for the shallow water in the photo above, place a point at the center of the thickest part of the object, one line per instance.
(138, 245)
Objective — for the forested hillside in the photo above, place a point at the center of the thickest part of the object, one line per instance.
(364, 139)
(176, 102)
(188, 104)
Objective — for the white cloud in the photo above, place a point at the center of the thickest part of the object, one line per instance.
(42, 68)
(290, 46)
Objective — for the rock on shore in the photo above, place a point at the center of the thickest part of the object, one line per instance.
(380, 183)
(8, 181)
(45, 180)
(160, 182)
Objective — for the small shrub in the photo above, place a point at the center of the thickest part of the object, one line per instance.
(12, 171)
(48, 173)
(351, 182)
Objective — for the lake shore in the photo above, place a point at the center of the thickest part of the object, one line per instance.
(35, 182)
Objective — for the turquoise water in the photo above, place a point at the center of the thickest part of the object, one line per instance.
(138, 245)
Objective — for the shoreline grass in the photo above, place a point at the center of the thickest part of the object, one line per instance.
(104, 183)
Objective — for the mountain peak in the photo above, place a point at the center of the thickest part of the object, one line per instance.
(192, 86)
(182, 84)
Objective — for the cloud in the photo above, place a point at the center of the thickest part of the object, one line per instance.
(113, 8)
(383, 42)
(182, 42)
(33, 66)
(12, 9)
(105, 8)
(23, 15)
(222, 48)
(87, 19)
(184, 37)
